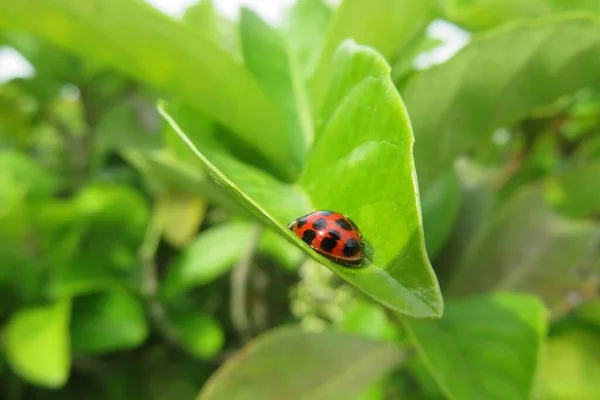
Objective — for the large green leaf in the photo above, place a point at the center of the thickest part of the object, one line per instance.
(527, 247)
(570, 367)
(139, 40)
(268, 57)
(362, 165)
(381, 24)
(289, 363)
(494, 81)
(483, 347)
(106, 322)
(36, 342)
(305, 28)
(485, 14)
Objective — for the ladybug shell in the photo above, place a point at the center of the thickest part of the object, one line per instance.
(332, 234)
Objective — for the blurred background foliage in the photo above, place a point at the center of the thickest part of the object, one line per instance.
(125, 272)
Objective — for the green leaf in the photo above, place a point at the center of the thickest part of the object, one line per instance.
(360, 165)
(305, 28)
(181, 216)
(485, 14)
(268, 58)
(386, 26)
(572, 193)
(525, 247)
(478, 198)
(107, 322)
(368, 319)
(208, 22)
(493, 82)
(110, 225)
(211, 255)
(199, 333)
(36, 342)
(171, 56)
(291, 363)
(440, 206)
(569, 368)
(483, 347)
(215, 251)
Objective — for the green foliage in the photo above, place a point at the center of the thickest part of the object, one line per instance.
(483, 347)
(144, 250)
(350, 146)
(328, 366)
(37, 343)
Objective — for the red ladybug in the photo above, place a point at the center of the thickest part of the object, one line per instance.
(332, 234)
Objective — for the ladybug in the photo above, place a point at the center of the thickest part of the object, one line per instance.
(332, 234)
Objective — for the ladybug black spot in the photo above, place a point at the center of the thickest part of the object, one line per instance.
(308, 236)
(334, 234)
(301, 222)
(351, 247)
(353, 224)
(343, 224)
(328, 244)
(320, 224)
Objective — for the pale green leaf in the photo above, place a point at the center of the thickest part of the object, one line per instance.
(36, 342)
(384, 25)
(494, 81)
(485, 14)
(268, 57)
(305, 28)
(570, 367)
(181, 216)
(289, 363)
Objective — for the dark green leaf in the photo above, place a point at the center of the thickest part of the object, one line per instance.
(36, 342)
(107, 322)
(440, 205)
(292, 364)
(525, 247)
(483, 347)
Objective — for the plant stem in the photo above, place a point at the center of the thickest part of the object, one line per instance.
(239, 283)
(150, 278)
